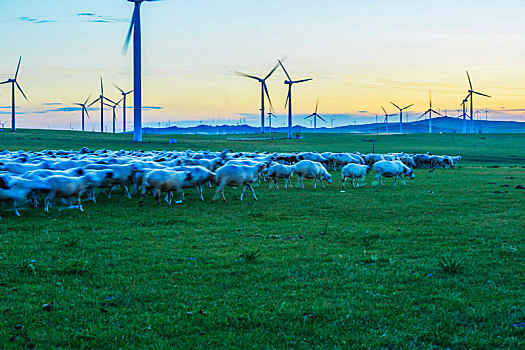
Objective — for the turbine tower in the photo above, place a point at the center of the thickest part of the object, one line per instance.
(264, 90)
(84, 109)
(290, 82)
(471, 92)
(401, 115)
(124, 94)
(13, 83)
(137, 63)
(315, 115)
(429, 112)
(386, 119)
(114, 106)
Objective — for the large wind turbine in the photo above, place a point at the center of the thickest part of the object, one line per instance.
(290, 82)
(137, 74)
(124, 94)
(315, 115)
(84, 109)
(429, 112)
(470, 93)
(13, 83)
(101, 98)
(401, 115)
(386, 119)
(264, 90)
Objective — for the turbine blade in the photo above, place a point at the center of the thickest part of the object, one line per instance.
(119, 101)
(5, 82)
(479, 93)
(384, 110)
(469, 82)
(128, 37)
(19, 88)
(267, 95)
(422, 115)
(247, 75)
(430, 99)
(321, 118)
(301, 81)
(101, 87)
(18, 67)
(119, 89)
(129, 92)
(395, 105)
(288, 95)
(85, 109)
(284, 70)
(311, 115)
(271, 72)
(316, 105)
(92, 103)
(110, 100)
(408, 106)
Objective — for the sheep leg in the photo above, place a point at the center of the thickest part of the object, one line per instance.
(253, 192)
(142, 195)
(111, 190)
(125, 189)
(286, 182)
(80, 202)
(322, 184)
(157, 198)
(222, 194)
(199, 189)
(16, 210)
(315, 182)
(343, 184)
(395, 180)
(275, 181)
(403, 178)
(301, 181)
(242, 193)
(378, 177)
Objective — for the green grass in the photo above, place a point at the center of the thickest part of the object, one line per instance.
(297, 269)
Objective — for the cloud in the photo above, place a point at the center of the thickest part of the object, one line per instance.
(151, 107)
(35, 20)
(94, 18)
(52, 104)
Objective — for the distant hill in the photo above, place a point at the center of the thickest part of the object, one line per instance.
(441, 124)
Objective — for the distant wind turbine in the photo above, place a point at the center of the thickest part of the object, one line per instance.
(137, 63)
(471, 92)
(290, 82)
(401, 115)
(386, 119)
(124, 94)
(13, 83)
(84, 109)
(114, 106)
(332, 121)
(264, 89)
(315, 115)
(429, 112)
(270, 116)
(102, 100)
(464, 115)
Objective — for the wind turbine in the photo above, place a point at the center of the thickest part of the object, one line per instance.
(114, 106)
(264, 90)
(332, 121)
(84, 109)
(270, 116)
(429, 112)
(124, 94)
(386, 118)
(13, 83)
(101, 98)
(464, 115)
(315, 115)
(471, 92)
(137, 63)
(401, 115)
(290, 82)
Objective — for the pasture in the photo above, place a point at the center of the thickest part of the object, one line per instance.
(438, 263)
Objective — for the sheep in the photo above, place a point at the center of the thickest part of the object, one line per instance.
(199, 176)
(389, 168)
(354, 171)
(280, 171)
(67, 187)
(236, 175)
(312, 170)
(122, 175)
(16, 189)
(162, 181)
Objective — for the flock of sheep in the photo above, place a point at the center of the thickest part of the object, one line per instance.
(28, 176)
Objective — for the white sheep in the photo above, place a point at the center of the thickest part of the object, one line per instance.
(354, 171)
(312, 170)
(280, 171)
(392, 168)
(237, 175)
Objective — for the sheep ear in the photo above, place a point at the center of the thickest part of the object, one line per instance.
(188, 176)
(3, 184)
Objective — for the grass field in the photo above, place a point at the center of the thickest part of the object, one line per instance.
(438, 263)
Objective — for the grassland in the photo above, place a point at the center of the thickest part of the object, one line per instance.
(297, 269)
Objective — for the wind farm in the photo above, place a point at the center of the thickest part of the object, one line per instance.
(124, 215)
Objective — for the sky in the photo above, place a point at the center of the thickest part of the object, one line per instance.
(361, 54)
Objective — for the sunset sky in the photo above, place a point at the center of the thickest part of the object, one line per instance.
(361, 55)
